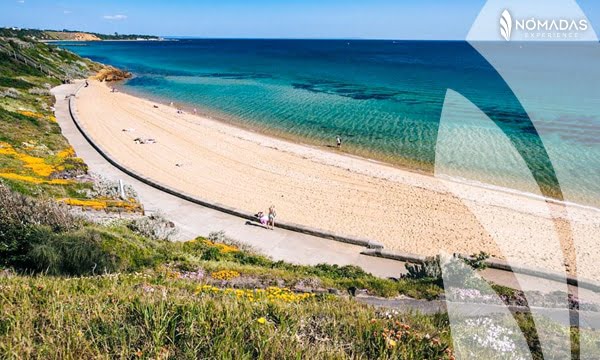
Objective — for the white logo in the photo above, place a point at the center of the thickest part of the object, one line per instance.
(506, 25)
(532, 28)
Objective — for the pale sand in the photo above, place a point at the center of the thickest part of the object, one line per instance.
(405, 211)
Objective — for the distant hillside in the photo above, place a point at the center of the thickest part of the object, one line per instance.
(69, 35)
(73, 36)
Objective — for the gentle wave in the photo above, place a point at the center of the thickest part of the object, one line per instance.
(383, 98)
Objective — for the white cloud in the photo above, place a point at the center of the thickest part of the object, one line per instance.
(21, 1)
(67, 12)
(115, 17)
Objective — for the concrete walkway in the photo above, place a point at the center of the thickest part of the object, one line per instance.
(582, 319)
(196, 220)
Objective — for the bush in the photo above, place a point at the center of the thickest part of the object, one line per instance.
(76, 253)
(10, 93)
(41, 235)
(109, 189)
(430, 269)
(38, 91)
(220, 237)
(23, 211)
(25, 222)
(14, 83)
(155, 227)
(342, 272)
(211, 254)
(477, 261)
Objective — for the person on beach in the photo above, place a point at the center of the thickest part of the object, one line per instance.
(263, 218)
(195, 111)
(338, 140)
(272, 215)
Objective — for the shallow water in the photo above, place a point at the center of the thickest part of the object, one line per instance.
(384, 98)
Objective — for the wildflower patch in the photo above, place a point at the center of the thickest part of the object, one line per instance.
(270, 294)
(225, 275)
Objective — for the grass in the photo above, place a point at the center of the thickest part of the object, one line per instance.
(153, 314)
(30, 139)
(149, 316)
(129, 252)
(35, 158)
(85, 290)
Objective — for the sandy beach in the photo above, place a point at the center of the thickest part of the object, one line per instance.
(405, 211)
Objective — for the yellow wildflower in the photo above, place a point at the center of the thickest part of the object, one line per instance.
(66, 153)
(224, 248)
(225, 274)
(33, 180)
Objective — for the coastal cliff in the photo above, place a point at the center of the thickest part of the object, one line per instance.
(110, 73)
(71, 36)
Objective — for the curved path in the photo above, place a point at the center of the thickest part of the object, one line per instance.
(194, 220)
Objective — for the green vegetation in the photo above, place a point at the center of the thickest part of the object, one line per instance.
(42, 236)
(35, 159)
(149, 315)
(68, 35)
(72, 288)
(34, 156)
(477, 261)
(202, 298)
(115, 293)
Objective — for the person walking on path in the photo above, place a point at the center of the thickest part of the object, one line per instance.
(272, 216)
(338, 140)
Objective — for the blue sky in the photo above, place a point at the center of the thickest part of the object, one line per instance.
(380, 19)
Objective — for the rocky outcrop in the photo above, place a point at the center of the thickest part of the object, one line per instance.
(112, 74)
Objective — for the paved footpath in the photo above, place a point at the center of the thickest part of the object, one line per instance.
(195, 220)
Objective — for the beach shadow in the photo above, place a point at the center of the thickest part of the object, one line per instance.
(251, 223)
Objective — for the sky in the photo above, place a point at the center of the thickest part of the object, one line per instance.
(349, 19)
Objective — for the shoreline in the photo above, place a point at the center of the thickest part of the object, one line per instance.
(285, 136)
(404, 210)
(383, 160)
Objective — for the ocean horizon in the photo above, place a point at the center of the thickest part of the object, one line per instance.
(384, 98)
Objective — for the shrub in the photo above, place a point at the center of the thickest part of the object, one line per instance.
(211, 254)
(40, 235)
(477, 261)
(341, 272)
(25, 222)
(155, 227)
(14, 83)
(430, 269)
(108, 189)
(39, 91)
(10, 93)
(22, 211)
(219, 237)
(75, 253)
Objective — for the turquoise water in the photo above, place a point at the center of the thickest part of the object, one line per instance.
(384, 98)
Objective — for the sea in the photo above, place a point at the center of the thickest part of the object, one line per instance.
(386, 101)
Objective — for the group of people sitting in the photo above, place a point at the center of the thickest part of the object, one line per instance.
(267, 220)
